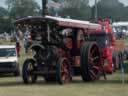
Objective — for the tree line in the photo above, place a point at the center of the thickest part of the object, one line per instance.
(76, 9)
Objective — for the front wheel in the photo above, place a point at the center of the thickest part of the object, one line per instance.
(63, 71)
(27, 71)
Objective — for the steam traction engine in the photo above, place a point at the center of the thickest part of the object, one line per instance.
(111, 50)
(61, 50)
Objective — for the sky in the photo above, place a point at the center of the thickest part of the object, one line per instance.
(2, 2)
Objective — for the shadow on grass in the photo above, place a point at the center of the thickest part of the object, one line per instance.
(112, 82)
(18, 81)
(101, 82)
(11, 84)
(43, 83)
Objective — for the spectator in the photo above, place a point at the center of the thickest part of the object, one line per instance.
(18, 47)
(25, 41)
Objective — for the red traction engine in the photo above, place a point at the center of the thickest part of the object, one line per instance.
(60, 49)
(111, 58)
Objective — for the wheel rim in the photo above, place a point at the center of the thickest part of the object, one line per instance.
(30, 75)
(94, 63)
(65, 72)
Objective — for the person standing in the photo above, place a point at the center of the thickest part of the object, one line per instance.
(18, 47)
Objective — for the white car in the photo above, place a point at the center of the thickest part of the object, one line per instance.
(9, 60)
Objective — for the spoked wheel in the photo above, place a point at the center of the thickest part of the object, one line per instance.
(63, 71)
(90, 61)
(27, 71)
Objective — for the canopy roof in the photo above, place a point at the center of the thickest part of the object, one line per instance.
(64, 22)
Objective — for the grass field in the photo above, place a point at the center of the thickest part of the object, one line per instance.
(11, 86)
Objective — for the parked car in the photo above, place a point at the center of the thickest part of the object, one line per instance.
(9, 60)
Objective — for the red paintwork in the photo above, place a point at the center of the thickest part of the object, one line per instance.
(87, 28)
(108, 26)
(70, 24)
(108, 51)
(107, 58)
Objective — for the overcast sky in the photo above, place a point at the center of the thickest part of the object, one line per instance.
(91, 2)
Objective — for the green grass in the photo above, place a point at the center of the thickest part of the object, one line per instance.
(111, 87)
(11, 86)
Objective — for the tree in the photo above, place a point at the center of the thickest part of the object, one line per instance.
(75, 3)
(5, 25)
(22, 8)
(76, 9)
(110, 9)
(3, 12)
(124, 14)
(5, 22)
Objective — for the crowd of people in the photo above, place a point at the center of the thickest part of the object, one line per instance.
(25, 39)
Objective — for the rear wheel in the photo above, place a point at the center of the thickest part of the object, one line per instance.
(90, 61)
(63, 71)
(27, 71)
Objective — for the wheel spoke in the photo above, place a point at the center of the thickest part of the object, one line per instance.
(95, 58)
(30, 68)
(29, 71)
(67, 78)
(96, 67)
(64, 70)
(91, 62)
(63, 76)
(65, 73)
(92, 52)
(93, 75)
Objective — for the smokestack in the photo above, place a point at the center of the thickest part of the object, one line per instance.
(96, 15)
(44, 7)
